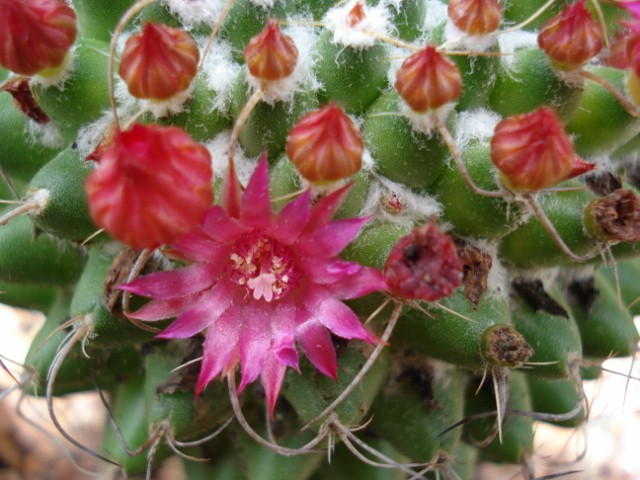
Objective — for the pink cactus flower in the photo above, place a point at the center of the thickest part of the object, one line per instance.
(261, 281)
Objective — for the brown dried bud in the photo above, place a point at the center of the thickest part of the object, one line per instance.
(504, 346)
(615, 216)
(25, 101)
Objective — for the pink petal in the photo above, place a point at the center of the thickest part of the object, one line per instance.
(256, 203)
(175, 283)
(283, 325)
(326, 208)
(255, 343)
(205, 311)
(346, 280)
(290, 222)
(331, 239)
(220, 348)
(196, 246)
(161, 309)
(221, 227)
(318, 347)
(272, 377)
(336, 316)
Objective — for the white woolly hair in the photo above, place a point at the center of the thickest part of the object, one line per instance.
(475, 125)
(218, 148)
(498, 280)
(417, 208)
(436, 14)
(397, 56)
(427, 122)
(376, 20)
(66, 71)
(46, 134)
(220, 71)
(461, 40)
(511, 42)
(196, 12)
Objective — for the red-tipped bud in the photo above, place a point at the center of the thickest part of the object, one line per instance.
(159, 62)
(271, 55)
(532, 151)
(151, 186)
(356, 14)
(35, 35)
(428, 80)
(325, 145)
(475, 17)
(572, 37)
(617, 56)
(424, 265)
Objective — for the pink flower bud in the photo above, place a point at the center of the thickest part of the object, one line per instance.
(424, 265)
(159, 62)
(532, 151)
(151, 186)
(325, 145)
(475, 17)
(428, 80)
(271, 55)
(572, 37)
(35, 35)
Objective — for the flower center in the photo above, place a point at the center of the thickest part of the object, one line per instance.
(266, 268)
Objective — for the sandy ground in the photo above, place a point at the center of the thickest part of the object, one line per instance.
(606, 448)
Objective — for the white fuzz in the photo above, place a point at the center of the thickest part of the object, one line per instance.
(376, 20)
(436, 14)
(498, 280)
(90, 135)
(58, 80)
(196, 12)
(219, 148)
(414, 208)
(513, 41)
(220, 71)
(40, 197)
(475, 125)
(460, 40)
(170, 106)
(397, 56)
(263, 3)
(426, 122)
(46, 134)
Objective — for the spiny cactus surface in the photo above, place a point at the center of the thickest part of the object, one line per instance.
(391, 233)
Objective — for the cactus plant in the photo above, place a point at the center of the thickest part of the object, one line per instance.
(414, 194)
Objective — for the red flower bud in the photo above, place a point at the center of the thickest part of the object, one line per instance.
(532, 151)
(325, 145)
(572, 37)
(428, 80)
(35, 35)
(159, 62)
(475, 17)
(271, 55)
(424, 265)
(151, 186)
(356, 14)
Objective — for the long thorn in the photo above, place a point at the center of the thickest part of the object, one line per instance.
(365, 368)
(26, 207)
(214, 32)
(241, 120)
(523, 24)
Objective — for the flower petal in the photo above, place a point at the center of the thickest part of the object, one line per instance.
(292, 220)
(196, 246)
(255, 343)
(283, 326)
(220, 348)
(331, 239)
(175, 283)
(161, 309)
(272, 377)
(336, 316)
(206, 310)
(221, 227)
(346, 280)
(318, 347)
(326, 208)
(256, 203)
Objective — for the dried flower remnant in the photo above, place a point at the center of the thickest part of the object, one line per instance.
(325, 145)
(572, 37)
(35, 35)
(151, 186)
(259, 282)
(615, 216)
(532, 151)
(428, 80)
(476, 265)
(271, 55)
(159, 62)
(475, 17)
(24, 100)
(423, 265)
